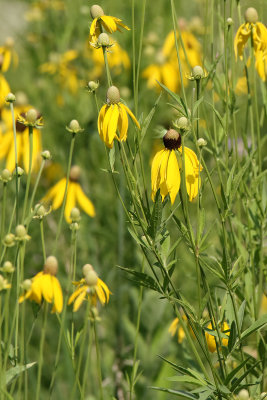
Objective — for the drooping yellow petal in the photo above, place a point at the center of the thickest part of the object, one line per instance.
(169, 76)
(6, 141)
(119, 22)
(76, 294)
(241, 39)
(4, 89)
(173, 327)
(155, 172)
(56, 194)
(123, 123)
(131, 114)
(79, 301)
(173, 179)
(83, 201)
(106, 121)
(70, 202)
(190, 178)
(112, 126)
(100, 121)
(46, 287)
(109, 23)
(57, 295)
(105, 288)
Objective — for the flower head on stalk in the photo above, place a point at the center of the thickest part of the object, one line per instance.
(224, 327)
(257, 32)
(75, 195)
(89, 288)
(165, 169)
(45, 286)
(113, 118)
(4, 284)
(100, 20)
(25, 116)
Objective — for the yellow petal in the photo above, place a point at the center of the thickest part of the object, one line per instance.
(101, 120)
(79, 301)
(83, 201)
(70, 202)
(56, 193)
(46, 287)
(123, 123)
(173, 327)
(105, 289)
(190, 178)
(131, 115)
(109, 23)
(155, 172)
(173, 179)
(57, 295)
(76, 294)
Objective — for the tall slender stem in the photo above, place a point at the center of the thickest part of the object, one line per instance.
(16, 161)
(29, 174)
(41, 351)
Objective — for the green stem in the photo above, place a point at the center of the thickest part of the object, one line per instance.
(36, 186)
(41, 351)
(3, 212)
(104, 49)
(16, 162)
(98, 360)
(42, 238)
(29, 173)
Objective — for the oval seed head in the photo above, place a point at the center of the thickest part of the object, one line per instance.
(243, 395)
(198, 72)
(96, 11)
(10, 98)
(87, 268)
(40, 210)
(75, 173)
(46, 155)
(229, 21)
(172, 139)
(26, 284)
(91, 278)
(92, 85)
(20, 231)
(20, 171)
(201, 142)
(9, 240)
(103, 39)
(182, 123)
(8, 267)
(75, 214)
(74, 126)
(6, 175)
(51, 265)
(113, 95)
(251, 15)
(31, 116)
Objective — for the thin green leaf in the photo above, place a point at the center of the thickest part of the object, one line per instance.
(180, 393)
(142, 279)
(12, 373)
(254, 327)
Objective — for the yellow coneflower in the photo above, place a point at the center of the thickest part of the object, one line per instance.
(75, 195)
(89, 288)
(4, 90)
(7, 54)
(65, 73)
(7, 147)
(4, 283)
(110, 24)
(257, 31)
(176, 327)
(165, 171)
(45, 286)
(113, 118)
(211, 339)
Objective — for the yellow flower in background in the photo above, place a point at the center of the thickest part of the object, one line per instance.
(7, 54)
(211, 339)
(45, 286)
(4, 90)
(65, 73)
(117, 60)
(165, 170)
(89, 288)
(263, 307)
(4, 283)
(113, 117)
(7, 147)
(75, 195)
(175, 327)
(100, 20)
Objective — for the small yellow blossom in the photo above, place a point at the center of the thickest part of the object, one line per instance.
(113, 117)
(75, 195)
(4, 284)
(46, 286)
(7, 55)
(176, 327)
(100, 20)
(4, 90)
(211, 339)
(165, 171)
(89, 288)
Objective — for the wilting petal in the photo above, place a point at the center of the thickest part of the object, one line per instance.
(109, 23)
(70, 202)
(131, 115)
(123, 123)
(79, 301)
(57, 295)
(84, 202)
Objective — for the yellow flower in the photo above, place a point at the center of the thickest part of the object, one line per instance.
(113, 117)
(176, 327)
(89, 288)
(263, 307)
(4, 284)
(165, 171)
(75, 195)
(45, 286)
(4, 90)
(211, 339)
(7, 53)
(60, 66)
(110, 24)
(7, 148)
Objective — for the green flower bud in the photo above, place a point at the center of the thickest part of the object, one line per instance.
(75, 214)
(8, 267)
(92, 85)
(201, 142)
(103, 39)
(243, 395)
(197, 72)
(20, 231)
(9, 240)
(31, 116)
(6, 175)
(229, 21)
(26, 284)
(46, 155)
(10, 98)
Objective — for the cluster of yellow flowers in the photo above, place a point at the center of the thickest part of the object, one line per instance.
(45, 286)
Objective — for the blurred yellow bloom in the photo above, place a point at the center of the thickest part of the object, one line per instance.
(4, 284)
(176, 327)
(7, 147)
(110, 24)
(4, 90)
(75, 195)
(65, 73)
(263, 308)
(89, 288)
(165, 171)
(7, 54)
(113, 117)
(46, 286)
(211, 339)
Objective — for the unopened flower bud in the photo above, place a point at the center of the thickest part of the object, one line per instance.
(10, 98)
(74, 125)
(91, 278)
(93, 85)
(40, 210)
(8, 267)
(197, 72)
(201, 142)
(96, 11)
(75, 214)
(75, 173)
(20, 172)
(31, 116)
(113, 95)
(103, 39)
(229, 21)
(182, 124)
(243, 395)
(172, 139)
(26, 285)
(51, 265)
(46, 155)
(21, 233)
(6, 175)
(87, 268)
(251, 15)
(9, 240)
